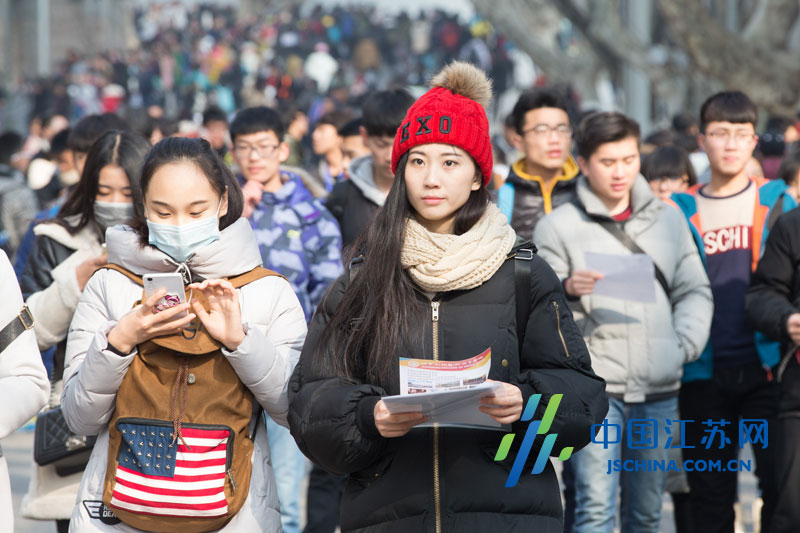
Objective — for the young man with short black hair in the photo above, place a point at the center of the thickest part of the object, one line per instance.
(354, 202)
(353, 145)
(327, 144)
(215, 130)
(299, 239)
(639, 348)
(544, 177)
(733, 378)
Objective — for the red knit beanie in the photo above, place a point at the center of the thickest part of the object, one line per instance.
(452, 112)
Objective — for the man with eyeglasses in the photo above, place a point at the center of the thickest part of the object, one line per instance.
(733, 379)
(544, 177)
(298, 238)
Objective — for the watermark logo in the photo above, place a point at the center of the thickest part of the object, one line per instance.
(536, 427)
(642, 434)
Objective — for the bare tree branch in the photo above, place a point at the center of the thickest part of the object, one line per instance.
(514, 19)
(771, 77)
(604, 29)
(772, 22)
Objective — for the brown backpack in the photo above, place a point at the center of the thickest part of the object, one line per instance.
(179, 448)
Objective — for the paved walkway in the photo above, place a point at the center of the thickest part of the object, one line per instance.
(18, 451)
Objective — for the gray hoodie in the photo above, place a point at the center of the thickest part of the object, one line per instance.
(362, 178)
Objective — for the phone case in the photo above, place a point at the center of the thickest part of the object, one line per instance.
(173, 282)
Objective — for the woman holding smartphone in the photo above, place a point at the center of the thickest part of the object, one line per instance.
(437, 281)
(190, 220)
(67, 250)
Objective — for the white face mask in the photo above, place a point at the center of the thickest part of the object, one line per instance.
(181, 242)
(70, 177)
(110, 214)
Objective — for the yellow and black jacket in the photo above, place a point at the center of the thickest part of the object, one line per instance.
(526, 198)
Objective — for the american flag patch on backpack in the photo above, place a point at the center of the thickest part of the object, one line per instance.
(182, 478)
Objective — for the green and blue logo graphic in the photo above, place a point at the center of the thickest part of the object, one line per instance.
(536, 427)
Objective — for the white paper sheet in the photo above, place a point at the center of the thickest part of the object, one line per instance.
(454, 408)
(627, 277)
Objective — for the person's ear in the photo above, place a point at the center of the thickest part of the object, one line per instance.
(283, 152)
(223, 208)
(583, 165)
(363, 132)
(701, 141)
(476, 181)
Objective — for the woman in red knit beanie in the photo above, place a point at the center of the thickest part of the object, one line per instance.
(437, 279)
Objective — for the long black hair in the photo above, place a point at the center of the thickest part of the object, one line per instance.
(198, 152)
(124, 149)
(380, 303)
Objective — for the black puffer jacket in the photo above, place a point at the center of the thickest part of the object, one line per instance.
(774, 294)
(393, 483)
(532, 200)
(351, 209)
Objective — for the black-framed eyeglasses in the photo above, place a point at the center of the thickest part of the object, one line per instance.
(263, 151)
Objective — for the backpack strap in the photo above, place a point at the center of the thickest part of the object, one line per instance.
(614, 229)
(522, 253)
(237, 281)
(505, 200)
(776, 211)
(253, 275)
(194, 340)
(125, 272)
(355, 265)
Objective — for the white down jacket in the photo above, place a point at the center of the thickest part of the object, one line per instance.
(275, 331)
(23, 381)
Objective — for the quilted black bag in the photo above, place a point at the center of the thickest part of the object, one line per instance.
(54, 443)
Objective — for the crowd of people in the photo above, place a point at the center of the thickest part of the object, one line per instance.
(316, 245)
(192, 56)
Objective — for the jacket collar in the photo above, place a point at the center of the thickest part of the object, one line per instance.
(234, 253)
(568, 171)
(642, 199)
(291, 185)
(361, 176)
(85, 238)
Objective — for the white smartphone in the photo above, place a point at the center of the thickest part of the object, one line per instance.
(173, 282)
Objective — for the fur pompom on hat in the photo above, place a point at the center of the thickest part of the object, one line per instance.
(452, 112)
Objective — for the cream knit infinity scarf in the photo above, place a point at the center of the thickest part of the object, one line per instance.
(440, 262)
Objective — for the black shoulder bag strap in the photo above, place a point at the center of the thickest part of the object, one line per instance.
(775, 212)
(355, 265)
(522, 286)
(614, 229)
(18, 325)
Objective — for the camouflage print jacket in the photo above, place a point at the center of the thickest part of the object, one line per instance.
(300, 239)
